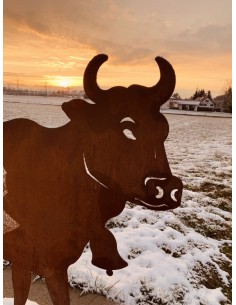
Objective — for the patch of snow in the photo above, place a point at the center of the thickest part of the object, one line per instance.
(10, 301)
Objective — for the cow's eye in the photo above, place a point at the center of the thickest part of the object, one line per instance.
(128, 133)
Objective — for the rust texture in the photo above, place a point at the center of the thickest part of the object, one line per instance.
(64, 184)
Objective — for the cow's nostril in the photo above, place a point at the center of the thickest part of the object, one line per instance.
(172, 195)
(160, 192)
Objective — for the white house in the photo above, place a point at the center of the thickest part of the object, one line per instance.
(200, 104)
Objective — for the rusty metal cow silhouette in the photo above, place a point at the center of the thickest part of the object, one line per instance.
(65, 183)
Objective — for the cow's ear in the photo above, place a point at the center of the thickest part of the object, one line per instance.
(73, 109)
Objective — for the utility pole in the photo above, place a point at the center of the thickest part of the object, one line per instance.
(46, 88)
(17, 84)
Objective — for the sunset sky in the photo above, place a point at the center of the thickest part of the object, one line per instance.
(49, 42)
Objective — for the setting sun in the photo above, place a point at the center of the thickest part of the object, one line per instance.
(63, 81)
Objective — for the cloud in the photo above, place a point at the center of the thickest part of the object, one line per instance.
(211, 38)
(43, 35)
(51, 17)
(129, 33)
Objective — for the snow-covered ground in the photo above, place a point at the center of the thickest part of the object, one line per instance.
(198, 113)
(27, 99)
(10, 301)
(175, 257)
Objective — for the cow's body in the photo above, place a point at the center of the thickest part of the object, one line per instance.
(65, 183)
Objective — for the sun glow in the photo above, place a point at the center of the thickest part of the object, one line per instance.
(64, 82)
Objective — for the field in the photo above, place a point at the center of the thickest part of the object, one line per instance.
(175, 257)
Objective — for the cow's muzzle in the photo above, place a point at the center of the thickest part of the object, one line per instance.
(162, 193)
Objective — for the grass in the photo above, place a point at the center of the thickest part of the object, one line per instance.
(134, 253)
(148, 295)
(220, 232)
(209, 277)
(213, 190)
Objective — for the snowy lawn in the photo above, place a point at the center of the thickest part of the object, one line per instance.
(10, 301)
(175, 257)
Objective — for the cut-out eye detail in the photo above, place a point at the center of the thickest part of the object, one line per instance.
(127, 119)
(128, 133)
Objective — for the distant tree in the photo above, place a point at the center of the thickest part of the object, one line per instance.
(176, 96)
(228, 97)
(201, 93)
(195, 95)
(209, 95)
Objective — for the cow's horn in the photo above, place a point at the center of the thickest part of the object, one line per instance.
(163, 90)
(91, 88)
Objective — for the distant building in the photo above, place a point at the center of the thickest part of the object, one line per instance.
(184, 104)
(166, 105)
(200, 104)
(206, 104)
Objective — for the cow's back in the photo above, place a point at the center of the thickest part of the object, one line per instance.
(44, 174)
(18, 135)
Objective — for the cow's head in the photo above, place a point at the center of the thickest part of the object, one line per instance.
(126, 134)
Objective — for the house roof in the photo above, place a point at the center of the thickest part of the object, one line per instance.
(204, 99)
(201, 98)
(186, 102)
